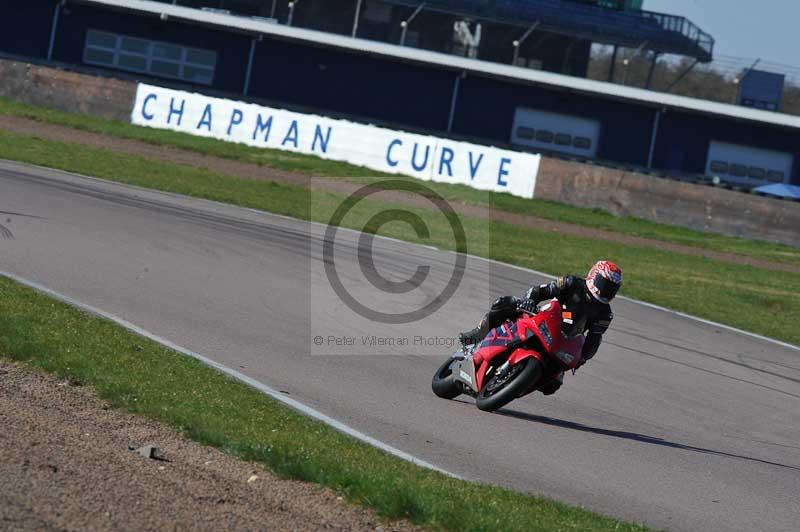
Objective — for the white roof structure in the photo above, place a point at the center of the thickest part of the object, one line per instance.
(558, 81)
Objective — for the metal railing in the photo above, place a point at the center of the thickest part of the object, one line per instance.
(600, 23)
(683, 26)
(664, 33)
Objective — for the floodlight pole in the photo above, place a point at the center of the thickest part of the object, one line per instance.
(518, 42)
(355, 20)
(613, 65)
(652, 70)
(626, 62)
(641, 47)
(250, 58)
(454, 100)
(404, 24)
(54, 29)
(654, 137)
(683, 75)
(291, 12)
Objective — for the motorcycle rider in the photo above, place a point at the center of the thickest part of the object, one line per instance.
(587, 300)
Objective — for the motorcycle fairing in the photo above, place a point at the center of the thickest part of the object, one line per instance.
(497, 342)
(545, 326)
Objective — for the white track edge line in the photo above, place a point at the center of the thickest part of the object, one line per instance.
(253, 383)
(490, 261)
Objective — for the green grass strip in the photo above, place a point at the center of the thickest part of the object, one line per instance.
(144, 378)
(313, 165)
(750, 298)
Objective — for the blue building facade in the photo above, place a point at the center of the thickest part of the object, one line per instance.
(366, 87)
(372, 86)
(25, 28)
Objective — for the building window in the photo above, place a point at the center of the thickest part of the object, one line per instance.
(719, 167)
(150, 57)
(526, 133)
(776, 176)
(740, 170)
(562, 139)
(582, 143)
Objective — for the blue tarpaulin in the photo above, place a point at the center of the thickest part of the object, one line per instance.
(780, 190)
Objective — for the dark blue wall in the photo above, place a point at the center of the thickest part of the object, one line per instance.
(232, 49)
(486, 109)
(684, 139)
(25, 27)
(369, 87)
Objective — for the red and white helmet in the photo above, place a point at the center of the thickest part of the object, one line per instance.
(604, 280)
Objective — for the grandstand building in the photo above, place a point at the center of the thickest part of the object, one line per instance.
(302, 55)
(551, 35)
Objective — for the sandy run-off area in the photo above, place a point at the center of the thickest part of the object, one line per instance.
(66, 464)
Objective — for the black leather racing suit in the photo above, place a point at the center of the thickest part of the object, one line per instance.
(588, 315)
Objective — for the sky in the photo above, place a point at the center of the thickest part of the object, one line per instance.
(766, 29)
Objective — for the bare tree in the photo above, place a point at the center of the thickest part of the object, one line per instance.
(703, 81)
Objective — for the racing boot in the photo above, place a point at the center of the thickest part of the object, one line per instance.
(471, 337)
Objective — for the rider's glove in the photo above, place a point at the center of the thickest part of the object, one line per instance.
(528, 305)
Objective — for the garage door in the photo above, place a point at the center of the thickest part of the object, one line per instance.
(744, 165)
(555, 132)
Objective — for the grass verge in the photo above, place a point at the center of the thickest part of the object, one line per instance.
(296, 162)
(741, 296)
(145, 378)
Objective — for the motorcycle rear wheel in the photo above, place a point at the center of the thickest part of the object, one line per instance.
(496, 394)
(444, 383)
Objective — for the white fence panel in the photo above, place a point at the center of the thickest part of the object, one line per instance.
(421, 156)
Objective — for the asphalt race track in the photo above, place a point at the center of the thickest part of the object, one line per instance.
(683, 425)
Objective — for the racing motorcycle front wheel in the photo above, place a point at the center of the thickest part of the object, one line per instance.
(507, 384)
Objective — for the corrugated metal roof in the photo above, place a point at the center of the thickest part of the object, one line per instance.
(559, 81)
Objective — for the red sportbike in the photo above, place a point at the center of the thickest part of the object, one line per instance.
(515, 359)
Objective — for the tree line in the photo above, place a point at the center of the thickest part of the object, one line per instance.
(703, 81)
